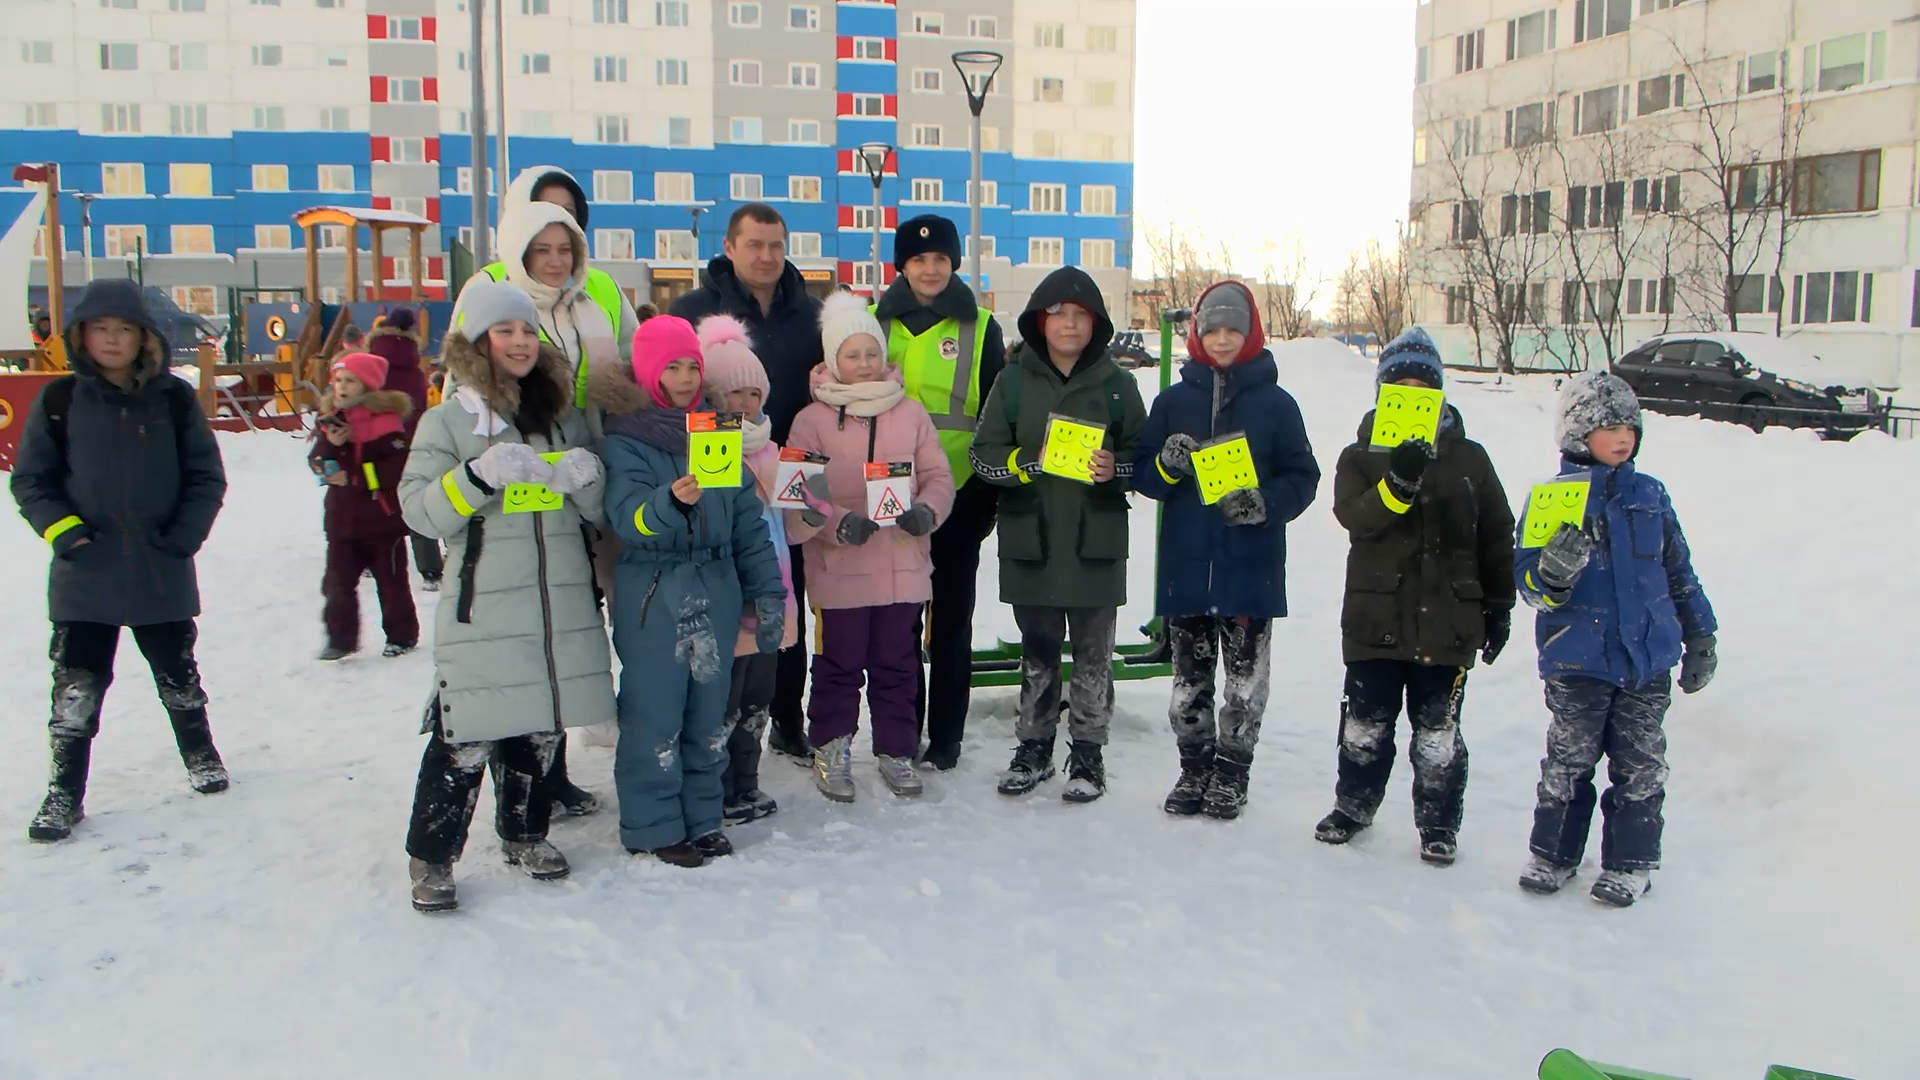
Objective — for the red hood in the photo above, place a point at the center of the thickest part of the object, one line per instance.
(1256, 338)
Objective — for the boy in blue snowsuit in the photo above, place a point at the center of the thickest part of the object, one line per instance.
(1619, 606)
(1222, 576)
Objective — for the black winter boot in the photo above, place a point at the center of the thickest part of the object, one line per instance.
(1337, 828)
(1227, 791)
(194, 737)
(1032, 763)
(1190, 791)
(66, 790)
(1086, 773)
(1439, 847)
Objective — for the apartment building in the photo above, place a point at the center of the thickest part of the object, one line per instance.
(1590, 173)
(202, 126)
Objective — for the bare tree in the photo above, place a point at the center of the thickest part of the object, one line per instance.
(1374, 292)
(1288, 288)
(1610, 227)
(1180, 266)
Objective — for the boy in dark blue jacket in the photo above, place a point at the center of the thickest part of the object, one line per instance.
(1222, 568)
(1619, 606)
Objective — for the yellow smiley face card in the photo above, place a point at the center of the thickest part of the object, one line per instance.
(1405, 412)
(1068, 451)
(532, 498)
(1551, 505)
(1222, 465)
(713, 449)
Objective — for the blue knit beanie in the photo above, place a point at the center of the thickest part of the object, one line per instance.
(1412, 355)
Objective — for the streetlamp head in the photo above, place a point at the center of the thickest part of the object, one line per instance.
(873, 157)
(977, 68)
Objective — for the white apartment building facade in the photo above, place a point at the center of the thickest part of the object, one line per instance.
(1589, 173)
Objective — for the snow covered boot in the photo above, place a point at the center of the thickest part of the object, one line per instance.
(578, 801)
(394, 649)
(1190, 791)
(431, 584)
(713, 845)
(941, 758)
(205, 771)
(1546, 878)
(1438, 846)
(833, 769)
(1032, 763)
(900, 777)
(1620, 888)
(763, 803)
(334, 652)
(682, 854)
(1227, 791)
(66, 790)
(539, 858)
(1086, 773)
(792, 746)
(1337, 828)
(738, 812)
(432, 886)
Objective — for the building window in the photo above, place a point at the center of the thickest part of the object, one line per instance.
(1050, 35)
(1103, 39)
(929, 22)
(609, 11)
(269, 178)
(535, 7)
(610, 129)
(612, 186)
(803, 18)
(863, 274)
(1096, 254)
(671, 245)
(679, 131)
(186, 119)
(1099, 147)
(1046, 250)
(531, 122)
(1526, 215)
(1420, 66)
(536, 64)
(1466, 222)
(924, 135)
(670, 72)
(192, 240)
(1747, 294)
(1846, 62)
(125, 241)
(189, 181)
(119, 119)
(1528, 125)
(670, 13)
(1047, 198)
(403, 91)
(1531, 35)
(989, 192)
(613, 244)
(1659, 195)
(673, 187)
(989, 138)
(869, 105)
(46, 114)
(984, 27)
(36, 52)
(1915, 318)
(1103, 94)
(335, 178)
(1837, 183)
(869, 48)
(1661, 93)
(986, 246)
(803, 245)
(334, 237)
(1469, 52)
(926, 80)
(803, 75)
(1842, 296)
(1097, 199)
(119, 56)
(1596, 207)
(268, 55)
(407, 151)
(1654, 296)
(1458, 305)
(746, 16)
(187, 57)
(335, 118)
(200, 6)
(925, 190)
(1595, 19)
(863, 218)
(1755, 186)
(1761, 73)
(1466, 133)
(743, 129)
(744, 72)
(803, 131)
(610, 69)
(745, 187)
(803, 188)
(123, 179)
(1597, 110)
(272, 237)
(403, 29)
(1048, 88)
(1046, 144)
(338, 58)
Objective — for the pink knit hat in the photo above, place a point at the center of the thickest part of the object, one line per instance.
(731, 362)
(366, 367)
(660, 341)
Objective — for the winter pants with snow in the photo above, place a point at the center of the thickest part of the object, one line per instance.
(1199, 643)
(1043, 632)
(449, 784)
(753, 676)
(427, 557)
(671, 754)
(82, 655)
(1368, 713)
(346, 561)
(1590, 718)
(875, 645)
(790, 682)
(945, 688)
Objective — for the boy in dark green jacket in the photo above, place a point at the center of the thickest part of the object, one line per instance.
(1063, 544)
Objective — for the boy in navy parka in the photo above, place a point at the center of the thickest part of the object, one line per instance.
(1222, 568)
(1619, 606)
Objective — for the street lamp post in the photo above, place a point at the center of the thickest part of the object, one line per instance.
(696, 211)
(86, 231)
(977, 68)
(477, 122)
(874, 156)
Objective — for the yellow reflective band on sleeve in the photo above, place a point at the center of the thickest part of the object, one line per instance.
(1392, 501)
(452, 487)
(1544, 598)
(373, 478)
(1015, 466)
(1164, 475)
(60, 528)
(640, 521)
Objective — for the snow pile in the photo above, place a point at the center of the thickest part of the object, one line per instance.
(267, 929)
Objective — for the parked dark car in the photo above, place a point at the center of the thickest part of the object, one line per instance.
(1749, 379)
(1131, 350)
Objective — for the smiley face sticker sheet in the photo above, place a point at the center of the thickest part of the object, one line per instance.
(1561, 501)
(1405, 412)
(532, 498)
(713, 449)
(1222, 465)
(1069, 448)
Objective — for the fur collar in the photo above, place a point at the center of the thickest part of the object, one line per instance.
(470, 368)
(387, 401)
(611, 387)
(152, 361)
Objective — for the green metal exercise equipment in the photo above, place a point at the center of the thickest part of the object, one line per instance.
(1567, 1065)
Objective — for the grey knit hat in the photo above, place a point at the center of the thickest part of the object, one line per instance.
(1227, 308)
(484, 304)
(1593, 401)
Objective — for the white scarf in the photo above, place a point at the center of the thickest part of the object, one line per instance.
(487, 423)
(861, 399)
(754, 436)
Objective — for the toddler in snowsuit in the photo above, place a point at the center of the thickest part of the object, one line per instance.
(1063, 543)
(1223, 568)
(519, 649)
(395, 341)
(866, 583)
(692, 560)
(1618, 606)
(119, 473)
(737, 382)
(359, 452)
(1429, 586)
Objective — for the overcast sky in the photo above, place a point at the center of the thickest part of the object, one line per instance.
(1258, 119)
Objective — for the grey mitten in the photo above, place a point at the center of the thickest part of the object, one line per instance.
(510, 463)
(917, 521)
(577, 469)
(1564, 557)
(770, 622)
(1244, 506)
(1176, 454)
(819, 501)
(855, 529)
(1697, 665)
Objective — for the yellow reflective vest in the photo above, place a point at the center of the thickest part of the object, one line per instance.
(936, 378)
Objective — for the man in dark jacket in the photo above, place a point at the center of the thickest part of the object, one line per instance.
(949, 351)
(1223, 567)
(1429, 586)
(120, 474)
(394, 341)
(1063, 542)
(754, 282)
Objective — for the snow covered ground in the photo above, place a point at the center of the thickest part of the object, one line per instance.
(267, 930)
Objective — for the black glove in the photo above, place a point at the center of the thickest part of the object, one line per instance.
(770, 615)
(1499, 622)
(1408, 463)
(1176, 454)
(1244, 506)
(1564, 557)
(1697, 665)
(855, 529)
(917, 521)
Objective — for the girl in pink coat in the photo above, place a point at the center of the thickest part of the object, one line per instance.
(865, 581)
